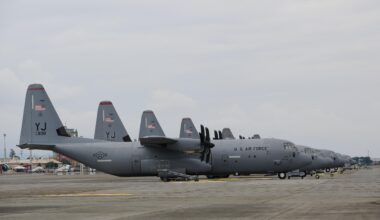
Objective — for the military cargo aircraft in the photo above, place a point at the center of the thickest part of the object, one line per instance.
(191, 154)
(187, 127)
(318, 161)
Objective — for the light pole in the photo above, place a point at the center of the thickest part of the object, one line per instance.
(5, 149)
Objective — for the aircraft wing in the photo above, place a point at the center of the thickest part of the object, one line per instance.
(36, 146)
(157, 140)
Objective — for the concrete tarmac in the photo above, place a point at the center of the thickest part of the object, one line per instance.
(351, 195)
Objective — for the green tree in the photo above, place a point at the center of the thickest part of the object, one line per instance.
(51, 165)
(65, 161)
(12, 153)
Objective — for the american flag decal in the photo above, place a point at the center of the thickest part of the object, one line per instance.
(108, 119)
(39, 108)
(151, 126)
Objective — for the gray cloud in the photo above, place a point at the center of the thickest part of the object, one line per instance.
(306, 71)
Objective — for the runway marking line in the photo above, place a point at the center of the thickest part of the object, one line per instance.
(89, 195)
(221, 180)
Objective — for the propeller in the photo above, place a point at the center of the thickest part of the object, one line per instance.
(204, 136)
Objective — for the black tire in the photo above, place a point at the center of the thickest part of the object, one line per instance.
(317, 176)
(164, 179)
(281, 175)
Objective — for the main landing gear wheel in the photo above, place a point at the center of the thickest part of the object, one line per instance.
(317, 176)
(217, 176)
(327, 170)
(165, 179)
(281, 175)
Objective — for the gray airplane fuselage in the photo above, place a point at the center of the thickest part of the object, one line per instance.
(318, 161)
(227, 157)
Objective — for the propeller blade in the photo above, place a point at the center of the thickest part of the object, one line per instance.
(220, 135)
(202, 135)
(208, 156)
(207, 136)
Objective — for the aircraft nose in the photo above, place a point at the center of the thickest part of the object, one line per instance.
(305, 159)
(302, 159)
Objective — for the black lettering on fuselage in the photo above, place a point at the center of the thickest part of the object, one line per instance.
(260, 148)
(37, 126)
(40, 130)
(110, 136)
(44, 129)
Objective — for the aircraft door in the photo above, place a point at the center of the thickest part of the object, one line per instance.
(136, 164)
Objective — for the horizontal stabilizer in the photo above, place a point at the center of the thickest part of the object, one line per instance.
(156, 140)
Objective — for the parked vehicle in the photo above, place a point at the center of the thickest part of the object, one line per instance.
(38, 169)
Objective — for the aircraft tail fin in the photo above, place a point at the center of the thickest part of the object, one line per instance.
(41, 124)
(227, 134)
(109, 127)
(188, 129)
(149, 125)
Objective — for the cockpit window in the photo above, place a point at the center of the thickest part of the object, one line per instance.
(289, 146)
(309, 151)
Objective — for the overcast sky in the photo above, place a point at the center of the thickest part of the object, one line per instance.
(306, 71)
